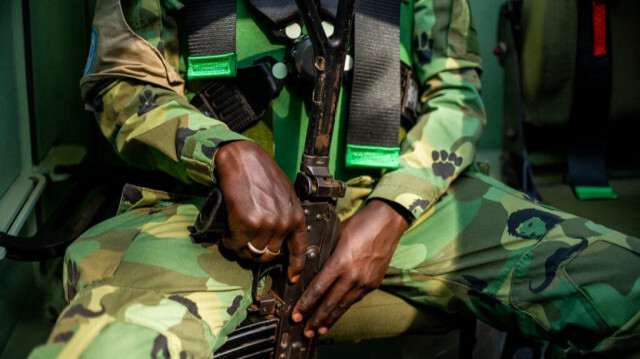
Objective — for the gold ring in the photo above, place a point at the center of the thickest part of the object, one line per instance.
(270, 253)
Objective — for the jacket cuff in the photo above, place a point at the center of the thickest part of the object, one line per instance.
(410, 192)
(199, 152)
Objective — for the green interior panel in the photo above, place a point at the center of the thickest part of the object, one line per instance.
(10, 161)
(18, 278)
(59, 42)
(485, 14)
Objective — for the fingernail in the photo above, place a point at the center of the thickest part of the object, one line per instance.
(309, 334)
(323, 331)
(297, 317)
(295, 278)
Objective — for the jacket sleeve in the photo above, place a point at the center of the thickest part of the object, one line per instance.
(155, 128)
(443, 142)
(152, 126)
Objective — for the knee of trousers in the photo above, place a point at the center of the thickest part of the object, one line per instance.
(106, 321)
(151, 248)
(149, 252)
(581, 283)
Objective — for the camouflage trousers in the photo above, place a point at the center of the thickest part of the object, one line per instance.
(139, 287)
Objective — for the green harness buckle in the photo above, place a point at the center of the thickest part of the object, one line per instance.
(372, 156)
(594, 192)
(206, 67)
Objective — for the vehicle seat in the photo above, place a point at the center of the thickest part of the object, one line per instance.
(540, 98)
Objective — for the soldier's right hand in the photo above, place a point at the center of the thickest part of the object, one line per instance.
(262, 205)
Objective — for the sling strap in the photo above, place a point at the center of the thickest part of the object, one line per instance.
(374, 119)
(211, 27)
(592, 101)
(241, 101)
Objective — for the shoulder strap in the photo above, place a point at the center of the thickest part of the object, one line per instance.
(374, 119)
(279, 13)
(212, 38)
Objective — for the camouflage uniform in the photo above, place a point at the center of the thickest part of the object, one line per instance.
(138, 285)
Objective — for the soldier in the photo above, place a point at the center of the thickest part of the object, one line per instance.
(434, 231)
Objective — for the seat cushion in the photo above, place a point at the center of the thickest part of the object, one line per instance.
(380, 315)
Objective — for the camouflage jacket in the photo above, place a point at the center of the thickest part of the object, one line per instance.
(134, 83)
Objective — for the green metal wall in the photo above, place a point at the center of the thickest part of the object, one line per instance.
(51, 50)
(59, 42)
(10, 160)
(485, 17)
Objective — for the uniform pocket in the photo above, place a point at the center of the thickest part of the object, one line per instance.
(608, 272)
(96, 255)
(544, 288)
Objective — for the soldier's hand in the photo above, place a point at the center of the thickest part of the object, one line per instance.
(356, 267)
(263, 208)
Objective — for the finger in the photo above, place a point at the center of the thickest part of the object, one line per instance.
(258, 244)
(242, 253)
(273, 250)
(314, 293)
(238, 246)
(261, 229)
(238, 237)
(297, 245)
(352, 297)
(332, 300)
(273, 247)
(231, 244)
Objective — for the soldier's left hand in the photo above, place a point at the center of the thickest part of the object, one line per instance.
(356, 267)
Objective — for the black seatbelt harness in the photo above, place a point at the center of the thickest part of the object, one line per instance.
(212, 38)
(592, 101)
(279, 13)
(379, 95)
(374, 119)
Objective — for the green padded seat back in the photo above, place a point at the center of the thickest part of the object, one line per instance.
(549, 56)
(625, 28)
(548, 60)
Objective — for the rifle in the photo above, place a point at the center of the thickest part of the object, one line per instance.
(268, 331)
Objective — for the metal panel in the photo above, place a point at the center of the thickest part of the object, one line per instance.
(485, 18)
(10, 159)
(59, 41)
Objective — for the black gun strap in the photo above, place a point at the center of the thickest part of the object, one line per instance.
(592, 101)
(224, 101)
(211, 27)
(374, 119)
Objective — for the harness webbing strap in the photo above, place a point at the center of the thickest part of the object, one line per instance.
(240, 101)
(279, 12)
(224, 101)
(586, 150)
(329, 8)
(374, 120)
(212, 38)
